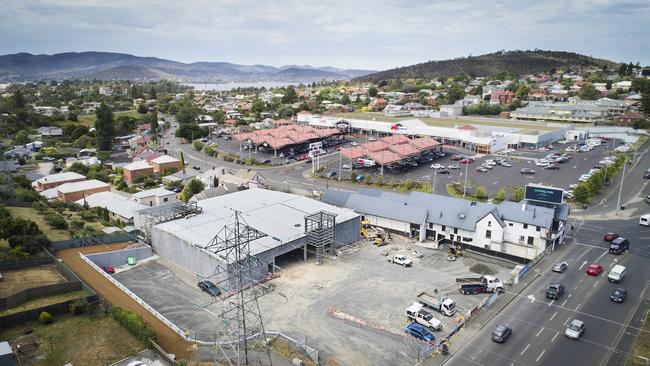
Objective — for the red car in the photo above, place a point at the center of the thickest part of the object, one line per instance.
(109, 269)
(466, 161)
(610, 236)
(456, 157)
(594, 269)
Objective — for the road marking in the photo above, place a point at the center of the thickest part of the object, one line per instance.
(578, 307)
(532, 298)
(567, 320)
(582, 265)
(540, 332)
(525, 349)
(555, 313)
(552, 339)
(595, 283)
(565, 300)
(551, 303)
(540, 355)
(605, 252)
(575, 166)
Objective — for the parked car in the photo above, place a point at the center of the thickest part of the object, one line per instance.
(109, 269)
(420, 332)
(554, 291)
(196, 167)
(331, 174)
(609, 236)
(527, 171)
(560, 267)
(575, 329)
(647, 199)
(400, 259)
(594, 269)
(267, 161)
(501, 333)
(506, 164)
(481, 169)
(209, 288)
(437, 166)
(456, 166)
(457, 157)
(619, 295)
(552, 167)
(466, 161)
(443, 171)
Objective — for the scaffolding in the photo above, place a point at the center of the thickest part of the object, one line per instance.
(241, 340)
(320, 228)
(163, 213)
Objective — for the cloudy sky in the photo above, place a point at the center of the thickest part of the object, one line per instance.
(376, 34)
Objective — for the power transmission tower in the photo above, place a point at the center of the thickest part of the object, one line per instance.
(241, 340)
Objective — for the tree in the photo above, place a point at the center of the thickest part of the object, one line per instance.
(481, 193)
(582, 193)
(192, 187)
(517, 194)
(589, 92)
(190, 131)
(290, 96)
(152, 93)
(198, 145)
(142, 109)
(19, 100)
(501, 195)
(104, 128)
(522, 92)
(186, 114)
(454, 94)
(22, 137)
(183, 162)
(345, 99)
(372, 91)
(153, 117)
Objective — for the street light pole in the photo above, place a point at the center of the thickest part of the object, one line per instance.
(435, 175)
(620, 189)
(465, 185)
(340, 161)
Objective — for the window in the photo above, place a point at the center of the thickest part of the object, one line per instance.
(455, 231)
(525, 226)
(522, 239)
(166, 199)
(539, 229)
(531, 240)
(467, 240)
(510, 224)
(488, 234)
(444, 228)
(489, 223)
(150, 203)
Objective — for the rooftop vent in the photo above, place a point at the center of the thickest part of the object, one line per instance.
(473, 203)
(461, 216)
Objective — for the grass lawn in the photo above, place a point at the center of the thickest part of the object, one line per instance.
(521, 126)
(80, 340)
(29, 213)
(44, 301)
(642, 345)
(89, 119)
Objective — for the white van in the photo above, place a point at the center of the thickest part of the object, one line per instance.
(644, 220)
(616, 274)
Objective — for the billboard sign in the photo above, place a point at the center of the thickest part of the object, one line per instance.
(398, 128)
(544, 194)
(316, 145)
(343, 125)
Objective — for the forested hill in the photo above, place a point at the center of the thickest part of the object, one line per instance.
(515, 62)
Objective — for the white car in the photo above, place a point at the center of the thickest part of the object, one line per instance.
(583, 179)
(437, 166)
(575, 329)
(542, 163)
(454, 166)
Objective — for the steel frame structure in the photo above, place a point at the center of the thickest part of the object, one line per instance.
(320, 228)
(168, 212)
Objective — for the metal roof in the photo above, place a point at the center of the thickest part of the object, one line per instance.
(527, 214)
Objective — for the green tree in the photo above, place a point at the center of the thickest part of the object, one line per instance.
(192, 187)
(290, 96)
(522, 92)
(22, 137)
(186, 114)
(372, 91)
(183, 162)
(454, 94)
(104, 128)
(481, 193)
(345, 99)
(353, 175)
(582, 193)
(501, 195)
(589, 92)
(517, 194)
(198, 145)
(19, 100)
(152, 93)
(142, 109)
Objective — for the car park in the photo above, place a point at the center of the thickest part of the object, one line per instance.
(420, 332)
(594, 269)
(575, 329)
(501, 333)
(619, 295)
(209, 288)
(554, 291)
(560, 267)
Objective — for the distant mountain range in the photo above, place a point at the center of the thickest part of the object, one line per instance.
(119, 66)
(517, 62)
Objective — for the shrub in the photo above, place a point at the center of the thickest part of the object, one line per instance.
(78, 306)
(87, 216)
(45, 318)
(198, 145)
(78, 223)
(56, 221)
(481, 193)
(134, 324)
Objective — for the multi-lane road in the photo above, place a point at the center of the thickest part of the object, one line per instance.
(538, 323)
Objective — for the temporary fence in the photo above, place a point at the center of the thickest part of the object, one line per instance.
(297, 345)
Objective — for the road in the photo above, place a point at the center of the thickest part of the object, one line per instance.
(538, 323)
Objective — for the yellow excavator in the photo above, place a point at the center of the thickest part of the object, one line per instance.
(375, 234)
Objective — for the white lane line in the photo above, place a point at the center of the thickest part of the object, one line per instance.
(552, 339)
(582, 265)
(554, 314)
(575, 166)
(551, 302)
(569, 296)
(525, 349)
(565, 300)
(567, 320)
(595, 283)
(604, 252)
(540, 355)
(540, 332)
(577, 307)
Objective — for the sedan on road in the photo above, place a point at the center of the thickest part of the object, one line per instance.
(610, 236)
(501, 333)
(594, 269)
(560, 267)
(575, 329)
(209, 288)
(619, 295)
(554, 291)
(527, 171)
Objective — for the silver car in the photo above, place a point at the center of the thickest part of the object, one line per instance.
(575, 329)
(560, 267)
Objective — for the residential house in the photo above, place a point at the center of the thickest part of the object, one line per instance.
(164, 164)
(71, 192)
(502, 97)
(50, 131)
(451, 110)
(628, 118)
(215, 192)
(18, 152)
(86, 161)
(137, 169)
(154, 197)
(119, 208)
(55, 180)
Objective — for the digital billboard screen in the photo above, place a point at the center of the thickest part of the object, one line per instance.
(544, 194)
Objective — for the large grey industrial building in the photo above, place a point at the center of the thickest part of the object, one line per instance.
(281, 216)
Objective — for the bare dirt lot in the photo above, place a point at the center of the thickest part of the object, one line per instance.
(21, 279)
(169, 340)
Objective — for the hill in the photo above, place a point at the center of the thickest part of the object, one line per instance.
(517, 62)
(120, 66)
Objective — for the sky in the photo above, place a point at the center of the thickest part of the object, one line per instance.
(377, 34)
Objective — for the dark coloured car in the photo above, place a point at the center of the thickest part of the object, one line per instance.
(420, 332)
(501, 333)
(619, 295)
(267, 161)
(331, 174)
(196, 167)
(527, 171)
(619, 245)
(610, 236)
(442, 171)
(209, 288)
(554, 291)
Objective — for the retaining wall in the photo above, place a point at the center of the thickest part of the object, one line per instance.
(119, 257)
